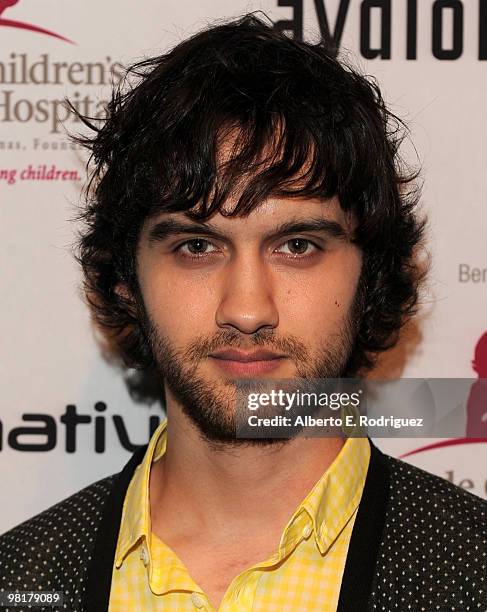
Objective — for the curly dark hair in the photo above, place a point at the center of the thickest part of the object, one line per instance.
(307, 125)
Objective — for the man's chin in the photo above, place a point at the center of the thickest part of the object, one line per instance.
(211, 409)
(219, 436)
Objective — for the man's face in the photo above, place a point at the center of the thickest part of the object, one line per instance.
(268, 295)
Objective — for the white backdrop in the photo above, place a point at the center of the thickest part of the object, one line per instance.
(50, 358)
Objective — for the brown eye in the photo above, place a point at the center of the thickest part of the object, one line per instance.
(297, 247)
(197, 246)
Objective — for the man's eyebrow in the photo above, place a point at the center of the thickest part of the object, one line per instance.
(297, 226)
(170, 227)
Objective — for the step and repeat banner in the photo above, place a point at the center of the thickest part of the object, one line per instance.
(68, 416)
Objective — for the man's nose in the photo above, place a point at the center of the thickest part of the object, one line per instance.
(246, 301)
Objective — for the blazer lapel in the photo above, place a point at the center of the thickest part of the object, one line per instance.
(99, 578)
(366, 536)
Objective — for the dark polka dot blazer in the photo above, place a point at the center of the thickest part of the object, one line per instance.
(419, 543)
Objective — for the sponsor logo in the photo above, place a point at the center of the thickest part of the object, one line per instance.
(40, 432)
(471, 274)
(81, 81)
(476, 430)
(476, 405)
(379, 25)
(10, 23)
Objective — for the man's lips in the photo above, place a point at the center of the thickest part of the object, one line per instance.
(244, 363)
(246, 357)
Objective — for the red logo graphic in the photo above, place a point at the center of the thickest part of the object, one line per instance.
(476, 405)
(9, 23)
(477, 400)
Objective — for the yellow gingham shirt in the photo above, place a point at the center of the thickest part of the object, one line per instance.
(304, 574)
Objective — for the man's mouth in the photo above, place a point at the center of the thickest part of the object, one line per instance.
(247, 363)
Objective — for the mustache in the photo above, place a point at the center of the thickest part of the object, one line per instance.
(202, 346)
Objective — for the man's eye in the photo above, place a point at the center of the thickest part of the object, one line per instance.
(195, 247)
(298, 246)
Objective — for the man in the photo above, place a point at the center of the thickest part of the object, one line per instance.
(249, 219)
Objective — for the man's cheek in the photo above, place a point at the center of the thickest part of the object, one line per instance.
(162, 292)
(183, 320)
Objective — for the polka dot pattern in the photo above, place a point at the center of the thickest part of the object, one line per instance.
(433, 554)
(51, 551)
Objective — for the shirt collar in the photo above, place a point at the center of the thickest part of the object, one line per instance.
(326, 509)
(331, 503)
(135, 525)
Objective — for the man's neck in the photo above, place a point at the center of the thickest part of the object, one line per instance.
(231, 490)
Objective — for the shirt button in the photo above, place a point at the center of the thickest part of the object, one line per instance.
(307, 531)
(144, 556)
(197, 600)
